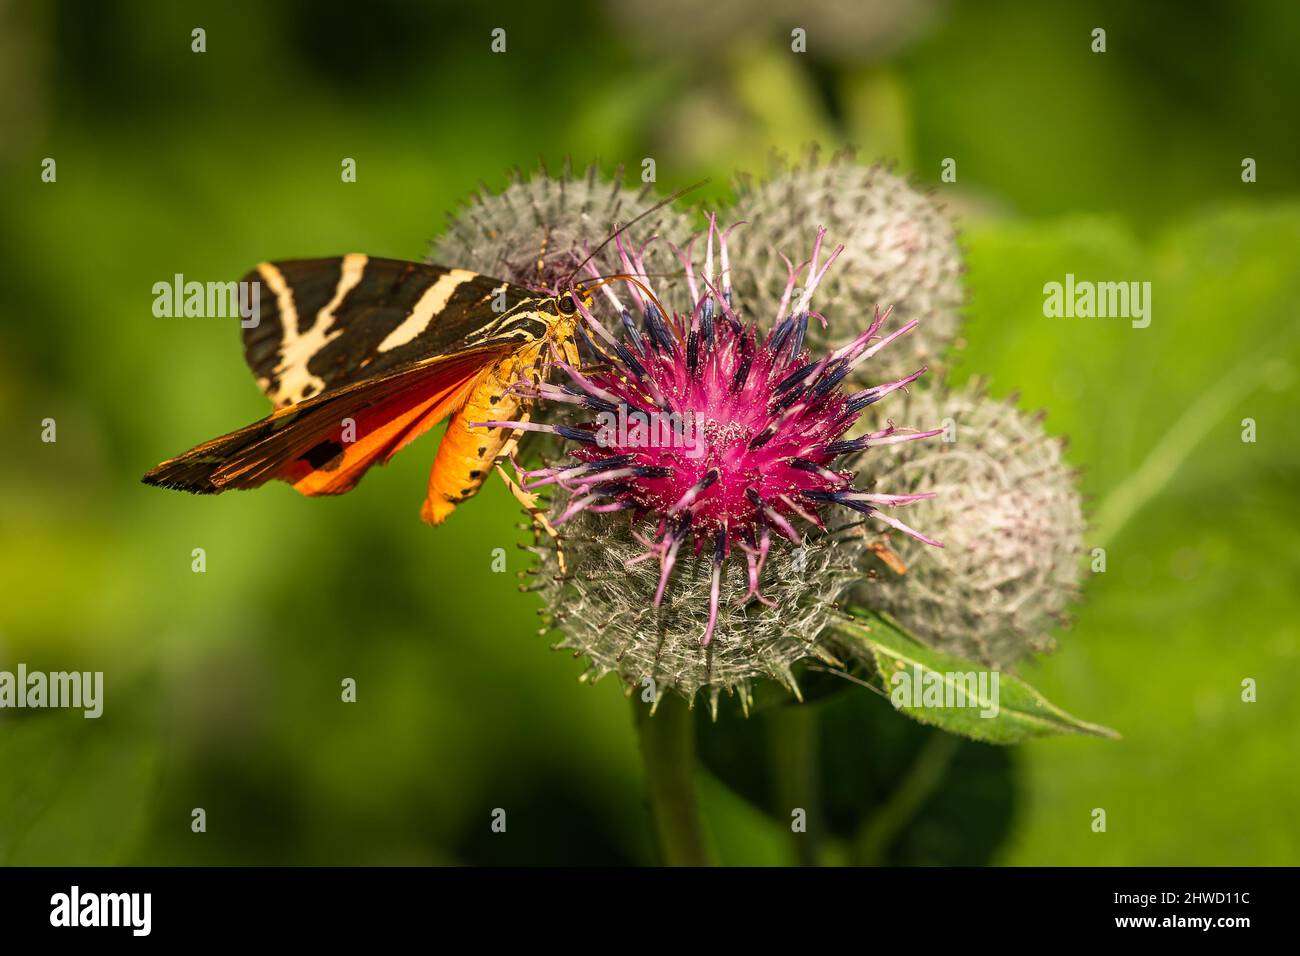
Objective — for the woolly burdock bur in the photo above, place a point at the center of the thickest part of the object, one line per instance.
(603, 611)
(900, 250)
(550, 219)
(743, 432)
(1011, 520)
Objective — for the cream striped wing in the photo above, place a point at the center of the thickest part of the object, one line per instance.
(325, 323)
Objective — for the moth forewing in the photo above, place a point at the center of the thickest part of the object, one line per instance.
(360, 355)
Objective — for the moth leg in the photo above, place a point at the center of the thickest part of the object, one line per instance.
(570, 349)
(538, 515)
(512, 443)
(526, 498)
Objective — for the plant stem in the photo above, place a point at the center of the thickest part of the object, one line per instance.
(792, 736)
(873, 839)
(1178, 443)
(667, 740)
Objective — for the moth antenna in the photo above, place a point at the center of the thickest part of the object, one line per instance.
(619, 230)
(645, 290)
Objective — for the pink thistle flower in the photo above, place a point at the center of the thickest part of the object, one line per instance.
(711, 433)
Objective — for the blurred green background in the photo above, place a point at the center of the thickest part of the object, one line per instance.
(222, 689)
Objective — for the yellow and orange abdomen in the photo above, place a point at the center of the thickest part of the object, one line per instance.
(467, 455)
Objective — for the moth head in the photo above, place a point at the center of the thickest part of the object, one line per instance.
(565, 306)
(566, 303)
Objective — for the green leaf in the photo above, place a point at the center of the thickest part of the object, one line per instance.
(1005, 710)
(1152, 636)
(877, 789)
(75, 792)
